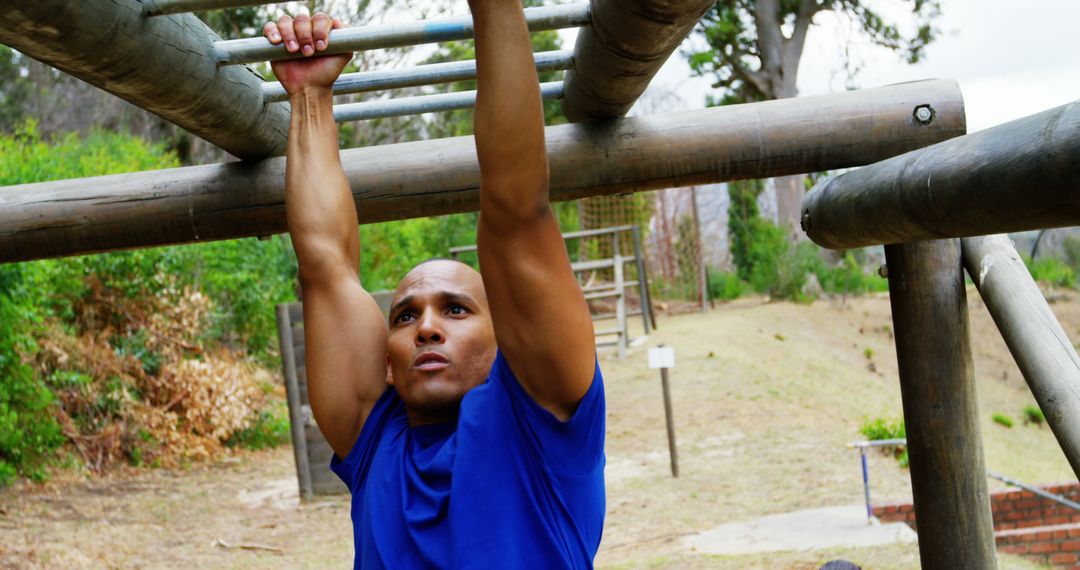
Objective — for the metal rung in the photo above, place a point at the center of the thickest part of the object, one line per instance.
(423, 104)
(599, 264)
(251, 50)
(606, 332)
(419, 75)
(607, 286)
(165, 7)
(603, 295)
(609, 316)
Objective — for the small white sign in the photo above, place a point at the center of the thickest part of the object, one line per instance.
(662, 357)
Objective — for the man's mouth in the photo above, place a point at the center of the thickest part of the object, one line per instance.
(431, 362)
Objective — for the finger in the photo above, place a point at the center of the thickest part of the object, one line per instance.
(320, 30)
(338, 24)
(288, 34)
(302, 28)
(270, 30)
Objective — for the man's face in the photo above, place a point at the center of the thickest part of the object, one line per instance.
(441, 342)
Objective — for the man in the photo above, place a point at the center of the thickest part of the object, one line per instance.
(486, 449)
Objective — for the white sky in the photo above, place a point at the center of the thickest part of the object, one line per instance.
(1011, 59)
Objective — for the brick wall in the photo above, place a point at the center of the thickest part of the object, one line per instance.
(1024, 523)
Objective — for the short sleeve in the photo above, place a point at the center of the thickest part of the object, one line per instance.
(353, 469)
(573, 447)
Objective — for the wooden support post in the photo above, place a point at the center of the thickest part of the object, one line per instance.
(937, 384)
(617, 57)
(434, 177)
(669, 418)
(164, 65)
(1036, 340)
(647, 316)
(620, 299)
(1022, 175)
(292, 394)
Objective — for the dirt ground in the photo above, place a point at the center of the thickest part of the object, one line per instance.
(766, 395)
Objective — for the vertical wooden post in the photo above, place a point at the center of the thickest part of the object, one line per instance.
(620, 299)
(937, 383)
(647, 316)
(292, 394)
(669, 417)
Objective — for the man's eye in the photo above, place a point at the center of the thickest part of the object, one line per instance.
(403, 318)
(458, 310)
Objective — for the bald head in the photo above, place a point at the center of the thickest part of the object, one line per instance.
(449, 275)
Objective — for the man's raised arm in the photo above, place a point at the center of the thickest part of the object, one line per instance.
(542, 323)
(344, 331)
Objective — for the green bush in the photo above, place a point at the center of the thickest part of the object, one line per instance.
(725, 285)
(882, 428)
(1002, 419)
(1033, 415)
(29, 432)
(1052, 271)
(269, 429)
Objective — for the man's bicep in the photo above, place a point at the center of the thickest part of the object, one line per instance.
(542, 323)
(345, 348)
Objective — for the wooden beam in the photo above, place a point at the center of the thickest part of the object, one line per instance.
(1021, 175)
(164, 65)
(937, 385)
(617, 57)
(441, 176)
(1033, 334)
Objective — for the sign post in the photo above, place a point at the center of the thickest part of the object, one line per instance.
(663, 357)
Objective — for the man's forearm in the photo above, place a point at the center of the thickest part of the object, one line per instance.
(319, 206)
(509, 121)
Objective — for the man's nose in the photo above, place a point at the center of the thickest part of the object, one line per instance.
(429, 329)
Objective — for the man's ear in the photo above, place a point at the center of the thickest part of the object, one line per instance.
(389, 372)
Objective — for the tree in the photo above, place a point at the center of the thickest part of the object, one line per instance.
(754, 48)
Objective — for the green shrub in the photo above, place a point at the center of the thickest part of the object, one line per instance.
(269, 429)
(29, 432)
(725, 285)
(1051, 270)
(1002, 419)
(850, 277)
(1033, 415)
(882, 428)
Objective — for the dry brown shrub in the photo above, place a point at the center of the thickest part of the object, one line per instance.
(184, 410)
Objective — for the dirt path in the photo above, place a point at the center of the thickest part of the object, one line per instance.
(765, 397)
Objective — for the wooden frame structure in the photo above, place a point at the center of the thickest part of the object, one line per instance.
(1019, 176)
(616, 289)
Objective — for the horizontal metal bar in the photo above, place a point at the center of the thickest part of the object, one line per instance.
(607, 286)
(251, 50)
(567, 235)
(430, 74)
(878, 443)
(610, 316)
(164, 7)
(1044, 494)
(423, 104)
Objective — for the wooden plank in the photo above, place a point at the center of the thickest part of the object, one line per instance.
(292, 394)
(937, 386)
(617, 57)
(164, 65)
(1033, 334)
(434, 177)
(1021, 175)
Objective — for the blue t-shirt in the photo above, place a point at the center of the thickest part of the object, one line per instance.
(508, 486)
